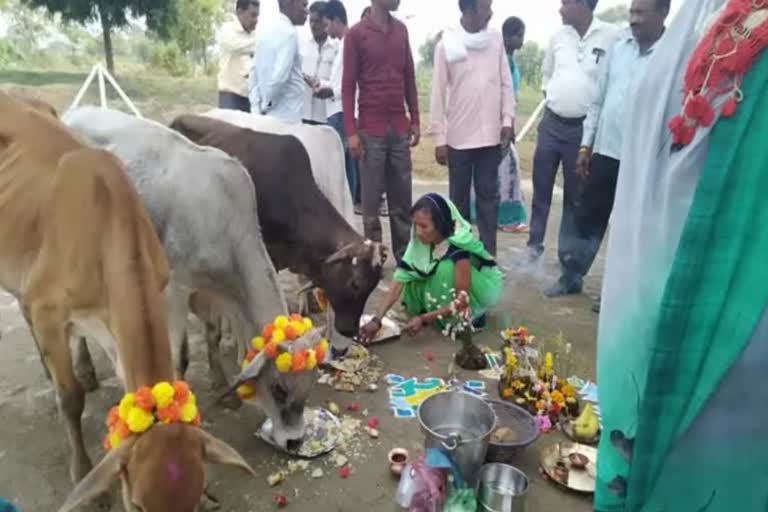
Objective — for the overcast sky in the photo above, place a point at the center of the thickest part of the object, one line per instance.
(426, 17)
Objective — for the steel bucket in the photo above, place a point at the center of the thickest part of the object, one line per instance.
(459, 424)
(501, 488)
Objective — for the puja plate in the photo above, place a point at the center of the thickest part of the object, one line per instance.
(567, 427)
(579, 480)
(321, 436)
(389, 329)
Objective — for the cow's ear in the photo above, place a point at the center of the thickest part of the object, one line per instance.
(217, 451)
(101, 478)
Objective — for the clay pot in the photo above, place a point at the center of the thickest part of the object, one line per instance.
(398, 458)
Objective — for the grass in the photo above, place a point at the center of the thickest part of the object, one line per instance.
(162, 98)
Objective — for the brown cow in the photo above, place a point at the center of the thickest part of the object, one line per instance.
(81, 256)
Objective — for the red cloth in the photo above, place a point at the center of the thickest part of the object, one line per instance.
(378, 62)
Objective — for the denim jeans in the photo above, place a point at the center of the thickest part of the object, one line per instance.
(336, 121)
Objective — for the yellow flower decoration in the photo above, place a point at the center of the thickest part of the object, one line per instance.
(307, 324)
(163, 394)
(258, 343)
(114, 440)
(311, 359)
(284, 362)
(140, 420)
(278, 336)
(189, 411)
(324, 345)
(126, 404)
(299, 326)
(281, 322)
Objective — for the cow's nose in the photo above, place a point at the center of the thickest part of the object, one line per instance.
(293, 445)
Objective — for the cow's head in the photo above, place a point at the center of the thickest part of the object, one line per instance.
(161, 470)
(282, 396)
(348, 278)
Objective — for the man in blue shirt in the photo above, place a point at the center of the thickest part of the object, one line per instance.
(600, 152)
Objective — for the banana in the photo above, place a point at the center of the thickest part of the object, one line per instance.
(586, 425)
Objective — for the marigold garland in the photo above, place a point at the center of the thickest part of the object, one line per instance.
(137, 412)
(283, 329)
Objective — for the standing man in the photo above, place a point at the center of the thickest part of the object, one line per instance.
(318, 52)
(378, 62)
(572, 66)
(606, 122)
(472, 112)
(277, 86)
(236, 42)
(336, 19)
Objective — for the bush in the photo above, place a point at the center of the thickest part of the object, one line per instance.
(169, 58)
(8, 53)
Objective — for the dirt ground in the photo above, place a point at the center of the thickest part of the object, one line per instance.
(34, 451)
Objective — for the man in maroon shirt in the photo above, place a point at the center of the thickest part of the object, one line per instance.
(378, 62)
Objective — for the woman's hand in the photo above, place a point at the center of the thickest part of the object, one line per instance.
(414, 325)
(369, 331)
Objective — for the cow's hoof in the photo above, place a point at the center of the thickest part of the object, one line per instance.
(231, 402)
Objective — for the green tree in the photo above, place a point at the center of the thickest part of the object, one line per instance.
(112, 14)
(530, 59)
(194, 28)
(618, 14)
(427, 50)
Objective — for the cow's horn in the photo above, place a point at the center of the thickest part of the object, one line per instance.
(342, 254)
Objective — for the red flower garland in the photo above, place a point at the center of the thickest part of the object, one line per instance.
(717, 67)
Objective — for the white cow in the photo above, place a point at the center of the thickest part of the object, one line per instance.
(203, 205)
(323, 145)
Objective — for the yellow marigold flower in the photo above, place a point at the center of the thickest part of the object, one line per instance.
(278, 336)
(192, 399)
(140, 420)
(245, 391)
(281, 321)
(548, 360)
(299, 326)
(568, 391)
(258, 343)
(188, 412)
(311, 359)
(126, 404)
(284, 362)
(114, 440)
(307, 324)
(558, 398)
(323, 345)
(163, 394)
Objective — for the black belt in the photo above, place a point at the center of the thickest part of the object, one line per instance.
(571, 121)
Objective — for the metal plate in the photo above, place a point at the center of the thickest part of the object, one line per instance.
(567, 428)
(579, 480)
(322, 433)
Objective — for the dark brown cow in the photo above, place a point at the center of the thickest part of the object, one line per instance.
(302, 230)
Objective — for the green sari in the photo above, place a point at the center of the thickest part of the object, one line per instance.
(683, 338)
(427, 272)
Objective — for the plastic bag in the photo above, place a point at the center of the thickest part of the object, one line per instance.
(429, 488)
(461, 500)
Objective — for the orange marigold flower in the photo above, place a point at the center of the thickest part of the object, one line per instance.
(113, 416)
(266, 333)
(181, 390)
(296, 317)
(291, 332)
(270, 349)
(170, 414)
(299, 361)
(320, 351)
(507, 393)
(144, 398)
(121, 429)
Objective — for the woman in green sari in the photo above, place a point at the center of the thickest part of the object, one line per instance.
(443, 261)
